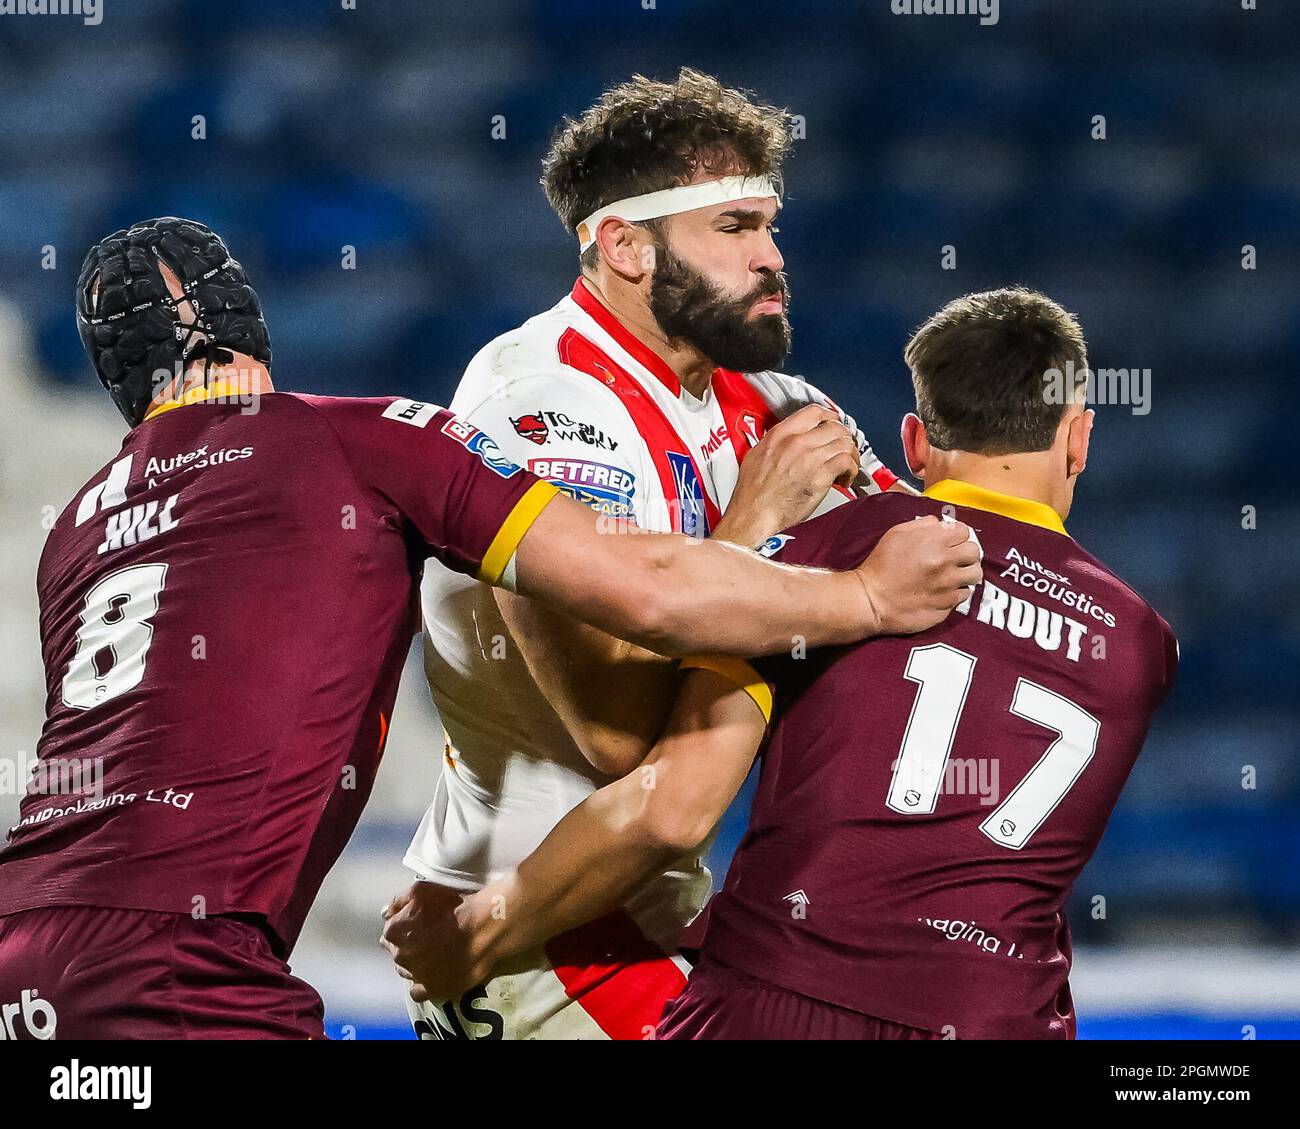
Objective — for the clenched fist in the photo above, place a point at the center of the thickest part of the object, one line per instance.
(918, 572)
(428, 942)
(785, 477)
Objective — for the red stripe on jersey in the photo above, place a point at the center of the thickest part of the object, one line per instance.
(620, 979)
(749, 417)
(747, 414)
(654, 427)
(628, 341)
(883, 477)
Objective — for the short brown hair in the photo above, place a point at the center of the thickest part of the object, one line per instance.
(643, 136)
(981, 366)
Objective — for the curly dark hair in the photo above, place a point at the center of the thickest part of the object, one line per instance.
(643, 136)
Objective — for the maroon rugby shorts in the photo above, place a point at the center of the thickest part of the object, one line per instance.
(722, 1003)
(83, 972)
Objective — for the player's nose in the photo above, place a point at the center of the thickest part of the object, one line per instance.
(767, 259)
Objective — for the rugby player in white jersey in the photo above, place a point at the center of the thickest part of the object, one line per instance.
(640, 393)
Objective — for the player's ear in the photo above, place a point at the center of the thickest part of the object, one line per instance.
(628, 250)
(1077, 439)
(916, 445)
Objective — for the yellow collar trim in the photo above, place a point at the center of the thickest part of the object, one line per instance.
(219, 388)
(978, 498)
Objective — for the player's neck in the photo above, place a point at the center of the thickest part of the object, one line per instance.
(243, 378)
(628, 303)
(1035, 475)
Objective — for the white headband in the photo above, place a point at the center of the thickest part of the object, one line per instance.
(671, 201)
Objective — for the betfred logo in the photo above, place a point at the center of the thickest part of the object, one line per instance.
(606, 489)
(533, 428)
(31, 1017)
(582, 472)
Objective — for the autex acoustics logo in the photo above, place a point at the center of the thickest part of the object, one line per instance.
(90, 11)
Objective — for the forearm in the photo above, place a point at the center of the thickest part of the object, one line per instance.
(720, 599)
(745, 526)
(675, 595)
(586, 866)
(613, 696)
(626, 831)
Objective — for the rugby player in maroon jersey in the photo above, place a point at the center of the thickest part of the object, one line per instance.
(225, 611)
(925, 803)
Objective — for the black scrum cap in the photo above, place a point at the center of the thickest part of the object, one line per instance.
(131, 326)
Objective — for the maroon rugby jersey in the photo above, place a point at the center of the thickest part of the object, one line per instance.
(927, 801)
(225, 612)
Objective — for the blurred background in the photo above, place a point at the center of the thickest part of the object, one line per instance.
(411, 131)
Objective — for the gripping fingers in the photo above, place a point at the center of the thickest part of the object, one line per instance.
(841, 447)
(831, 432)
(807, 418)
(955, 532)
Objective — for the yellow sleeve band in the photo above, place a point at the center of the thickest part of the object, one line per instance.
(740, 674)
(535, 500)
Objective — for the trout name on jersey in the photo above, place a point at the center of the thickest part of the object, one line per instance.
(1025, 620)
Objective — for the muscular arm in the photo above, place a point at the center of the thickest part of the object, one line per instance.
(675, 595)
(666, 592)
(611, 695)
(603, 847)
(614, 697)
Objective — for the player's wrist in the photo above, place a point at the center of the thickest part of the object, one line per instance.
(865, 596)
(744, 527)
(485, 917)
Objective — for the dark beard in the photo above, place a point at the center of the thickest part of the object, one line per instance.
(688, 307)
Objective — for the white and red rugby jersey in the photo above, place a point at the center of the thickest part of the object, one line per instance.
(573, 396)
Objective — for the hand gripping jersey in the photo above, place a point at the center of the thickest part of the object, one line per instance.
(225, 611)
(580, 402)
(927, 801)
